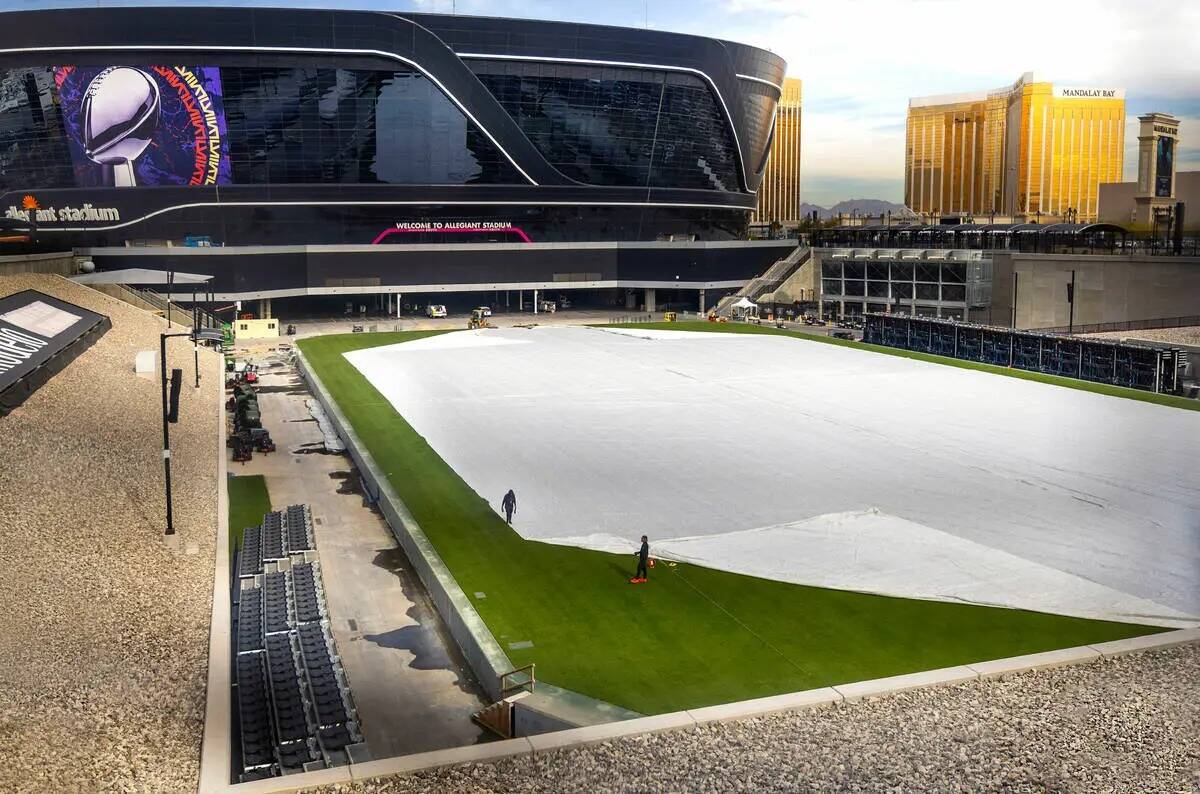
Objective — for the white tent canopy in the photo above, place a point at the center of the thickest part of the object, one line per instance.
(745, 303)
(139, 275)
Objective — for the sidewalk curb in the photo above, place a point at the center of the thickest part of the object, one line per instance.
(745, 709)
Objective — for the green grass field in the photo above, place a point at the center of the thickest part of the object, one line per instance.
(248, 503)
(692, 636)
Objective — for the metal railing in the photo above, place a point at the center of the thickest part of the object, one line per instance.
(770, 279)
(508, 686)
(629, 319)
(1029, 242)
(173, 311)
(1129, 325)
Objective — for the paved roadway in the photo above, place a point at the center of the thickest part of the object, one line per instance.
(413, 689)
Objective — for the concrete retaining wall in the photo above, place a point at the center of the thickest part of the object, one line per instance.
(530, 747)
(480, 648)
(59, 264)
(1108, 289)
(530, 721)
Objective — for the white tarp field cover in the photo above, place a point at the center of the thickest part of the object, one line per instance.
(818, 464)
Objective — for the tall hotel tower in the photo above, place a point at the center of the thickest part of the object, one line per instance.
(779, 193)
(1028, 150)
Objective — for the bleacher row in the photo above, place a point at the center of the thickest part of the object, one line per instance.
(281, 534)
(295, 711)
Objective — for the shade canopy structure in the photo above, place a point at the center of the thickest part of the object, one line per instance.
(141, 276)
(745, 303)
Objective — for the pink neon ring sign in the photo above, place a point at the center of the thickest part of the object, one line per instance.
(457, 230)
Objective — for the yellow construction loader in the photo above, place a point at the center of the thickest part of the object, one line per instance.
(478, 320)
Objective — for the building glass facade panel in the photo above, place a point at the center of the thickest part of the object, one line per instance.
(626, 127)
(298, 125)
(33, 143)
(779, 193)
(759, 103)
(351, 127)
(1026, 150)
(891, 285)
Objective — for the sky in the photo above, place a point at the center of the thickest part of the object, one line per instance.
(861, 60)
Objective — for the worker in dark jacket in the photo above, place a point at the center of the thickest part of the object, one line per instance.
(509, 503)
(643, 555)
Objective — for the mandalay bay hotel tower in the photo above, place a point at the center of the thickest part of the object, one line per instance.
(1030, 150)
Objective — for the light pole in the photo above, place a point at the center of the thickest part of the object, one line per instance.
(169, 416)
(170, 406)
(1071, 305)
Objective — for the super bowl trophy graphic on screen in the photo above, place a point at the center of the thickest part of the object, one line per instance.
(120, 114)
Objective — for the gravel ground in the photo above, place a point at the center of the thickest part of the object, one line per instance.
(104, 630)
(1174, 336)
(1126, 725)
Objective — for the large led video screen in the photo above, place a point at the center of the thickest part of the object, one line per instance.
(144, 125)
(1164, 167)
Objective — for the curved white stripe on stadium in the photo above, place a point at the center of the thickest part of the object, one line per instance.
(767, 455)
(303, 50)
(414, 203)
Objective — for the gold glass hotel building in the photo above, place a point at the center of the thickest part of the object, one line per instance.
(779, 193)
(1029, 150)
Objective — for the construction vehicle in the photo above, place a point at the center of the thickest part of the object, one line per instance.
(478, 320)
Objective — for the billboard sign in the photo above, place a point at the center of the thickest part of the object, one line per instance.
(144, 125)
(1164, 167)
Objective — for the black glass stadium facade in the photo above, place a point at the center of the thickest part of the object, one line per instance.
(305, 127)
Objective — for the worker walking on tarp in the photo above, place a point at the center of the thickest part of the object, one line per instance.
(509, 503)
(643, 554)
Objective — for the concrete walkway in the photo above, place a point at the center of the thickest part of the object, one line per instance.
(412, 688)
(457, 321)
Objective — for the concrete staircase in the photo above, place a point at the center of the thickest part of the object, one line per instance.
(500, 717)
(769, 281)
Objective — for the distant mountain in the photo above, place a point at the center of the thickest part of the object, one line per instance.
(861, 206)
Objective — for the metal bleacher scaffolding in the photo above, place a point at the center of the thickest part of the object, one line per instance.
(1097, 360)
(295, 710)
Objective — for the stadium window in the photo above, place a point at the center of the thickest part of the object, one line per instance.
(954, 273)
(954, 292)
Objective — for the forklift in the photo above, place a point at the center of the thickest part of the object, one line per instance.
(478, 320)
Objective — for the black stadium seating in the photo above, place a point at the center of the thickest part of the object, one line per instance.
(275, 603)
(272, 528)
(304, 588)
(294, 707)
(254, 706)
(250, 558)
(250, 621)
(299, 529)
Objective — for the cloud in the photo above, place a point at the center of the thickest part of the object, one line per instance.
(861, 60)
